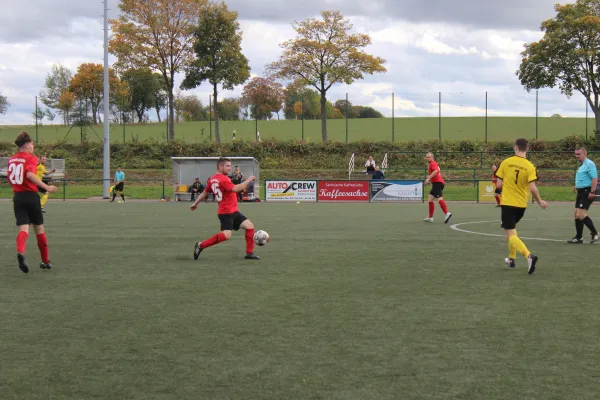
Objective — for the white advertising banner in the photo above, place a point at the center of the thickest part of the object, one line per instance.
(291, 191)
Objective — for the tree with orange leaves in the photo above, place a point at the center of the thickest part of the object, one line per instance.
(264, 96)
(324, 53)
(66, 102)
(156, 34)
(88, 84)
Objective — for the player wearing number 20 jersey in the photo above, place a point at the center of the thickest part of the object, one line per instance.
(225, 192)
(22, 168)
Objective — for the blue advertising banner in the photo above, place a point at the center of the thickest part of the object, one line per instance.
(396, 190)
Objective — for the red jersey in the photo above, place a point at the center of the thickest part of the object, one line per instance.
(222, 188)
(18, 166)
(494, 178)
(433, 166)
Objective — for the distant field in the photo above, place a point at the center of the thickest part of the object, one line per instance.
(405, 129)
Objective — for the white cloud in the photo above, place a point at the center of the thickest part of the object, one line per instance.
(462, 58)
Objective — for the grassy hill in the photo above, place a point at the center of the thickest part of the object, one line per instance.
(405, 129)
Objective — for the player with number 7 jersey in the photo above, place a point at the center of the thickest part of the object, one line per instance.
(231, 219)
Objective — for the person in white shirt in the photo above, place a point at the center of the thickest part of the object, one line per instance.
(370, 164)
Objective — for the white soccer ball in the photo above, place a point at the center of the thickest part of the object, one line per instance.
(261, 238)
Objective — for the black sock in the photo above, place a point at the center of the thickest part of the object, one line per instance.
(587, 221)
(123, 197)
(578, 228)
(114, 196)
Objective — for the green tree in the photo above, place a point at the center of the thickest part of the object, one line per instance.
(155, 34)
(189, 108)
(219, 58)
(324, 53)
(568, 55)
(294, 94)
(4, 104)
(57, 81)
(39, 116)
(161, 96)
(143, 86)
(229, 109)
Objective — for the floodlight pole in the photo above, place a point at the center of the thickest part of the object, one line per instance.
(106, 174)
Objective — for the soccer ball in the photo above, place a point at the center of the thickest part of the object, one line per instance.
(261, 238)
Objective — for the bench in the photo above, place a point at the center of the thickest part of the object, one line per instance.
(181, 192)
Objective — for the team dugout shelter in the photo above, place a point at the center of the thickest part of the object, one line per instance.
(185, 169)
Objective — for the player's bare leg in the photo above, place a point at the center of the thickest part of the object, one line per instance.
(249, 235)
(212, 241)
(43, 246)
(444, 207)
(21, 247)
(430, 201)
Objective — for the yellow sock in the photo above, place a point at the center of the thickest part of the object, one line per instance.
(512, 250)
(518, 244)
(44, 199)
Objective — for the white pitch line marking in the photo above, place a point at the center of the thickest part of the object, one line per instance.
(456, 228)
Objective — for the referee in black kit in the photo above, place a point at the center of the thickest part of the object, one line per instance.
(586, 180)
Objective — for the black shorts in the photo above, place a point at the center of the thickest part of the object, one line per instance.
(583, 202)
(231, 222)
(437, 188)
(119, 187)
(28, 209)
(511, 216)
(498, 191)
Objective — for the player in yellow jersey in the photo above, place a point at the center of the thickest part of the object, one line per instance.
(43, 174)
(516, 178)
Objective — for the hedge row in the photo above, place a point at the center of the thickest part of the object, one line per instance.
(152, 154)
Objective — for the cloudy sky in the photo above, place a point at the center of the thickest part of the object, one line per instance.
(461, 48)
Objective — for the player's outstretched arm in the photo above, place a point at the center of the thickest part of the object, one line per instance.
(202, 196)
(33, 178)
(536, 194)
(242, 186)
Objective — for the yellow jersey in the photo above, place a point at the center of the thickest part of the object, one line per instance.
(41, 171)
(516, 174)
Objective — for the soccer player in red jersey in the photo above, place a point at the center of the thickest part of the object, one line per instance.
(437, 187)
(498, 192)
(225, 192)
(22, 168)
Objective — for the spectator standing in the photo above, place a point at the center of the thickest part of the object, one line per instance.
(370, 164)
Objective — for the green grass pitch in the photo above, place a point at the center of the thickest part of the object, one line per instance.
(350, 301)
(373, 129)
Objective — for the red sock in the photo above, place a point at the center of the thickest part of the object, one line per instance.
(444, 206)
(43, 245)
(216, 239)
(249, 241)
(22, 241)
(498, 200)
(431, 209)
